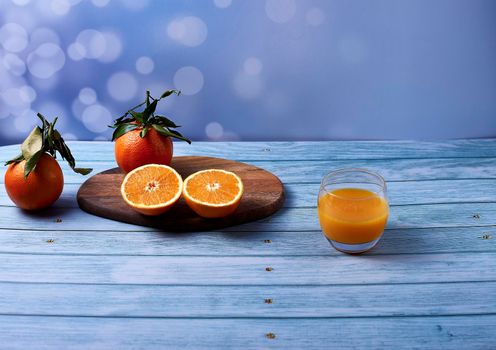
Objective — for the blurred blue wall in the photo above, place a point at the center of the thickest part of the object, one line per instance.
(253, 69)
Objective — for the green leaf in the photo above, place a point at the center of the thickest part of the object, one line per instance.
(83, 171)
(148, 97)
(164, 121)
(17, 159)
(146, 119)
(33, 143)
(55, 135)
(32, 162)
(179, 136)
(123, 119)
(123, 129)
(149, 110)
(170, 133)
(65, 153)
(53, 139)
(143, 132)
(45, 140)
(170, 92)
(138, 116)
(45, 123)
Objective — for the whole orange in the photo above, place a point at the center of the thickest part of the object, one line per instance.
(40, 189)
(133, 151)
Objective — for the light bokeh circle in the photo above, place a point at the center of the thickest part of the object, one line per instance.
(189, 31)
(214, 130)
(76, 51)
(189, 80)
(13, 37)
(112, 49)
(21, 2)
(252, 66)
(96, 118)
(60, 7)
(222, 3)
(14, 64)
(25, 122)
(145, 65)
(122, 86)
(100, 3)
(280, 11)
(27, 94)
(46, 60)
(93, 42)
(87, 96)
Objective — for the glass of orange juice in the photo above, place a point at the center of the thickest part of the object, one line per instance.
(353, 209)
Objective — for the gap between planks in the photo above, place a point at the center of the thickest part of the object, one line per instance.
(250, 317)
(314, 206)
(245, 285)
(318, 182)
(137, 230)
(343, 255)
(302, 160)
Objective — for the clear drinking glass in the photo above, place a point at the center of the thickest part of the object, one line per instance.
(353, 209)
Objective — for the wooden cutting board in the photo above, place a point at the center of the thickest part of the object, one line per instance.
(263, 196)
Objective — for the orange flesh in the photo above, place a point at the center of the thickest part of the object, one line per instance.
(352, 215)
(151, 186)
(213, 187)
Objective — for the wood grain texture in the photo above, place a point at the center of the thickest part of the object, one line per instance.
(286, 219)
(317, 150)
(429, 333)
(429, 299)
(222, 270)
(91, 283)
(311, 171)
(263, 196)
(231, 243)
(399, 193)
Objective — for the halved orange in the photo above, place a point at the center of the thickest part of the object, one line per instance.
(152, 189)
(213, 193)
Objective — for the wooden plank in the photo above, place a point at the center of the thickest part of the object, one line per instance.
(260, 243)
(287, 219)
(400, 193)
(459, 332)
(315, 270)
(438, 299)
(391, 170)
(316, 150)
(313, 171)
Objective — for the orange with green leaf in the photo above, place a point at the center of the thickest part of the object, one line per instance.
(34, 179)
(143, 137)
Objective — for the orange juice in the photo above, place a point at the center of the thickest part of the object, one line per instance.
(352, 215)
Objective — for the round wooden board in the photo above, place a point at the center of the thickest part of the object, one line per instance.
(263, 196)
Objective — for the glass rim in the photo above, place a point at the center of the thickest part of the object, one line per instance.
(382, 183)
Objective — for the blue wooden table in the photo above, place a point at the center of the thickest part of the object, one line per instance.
(72, 280)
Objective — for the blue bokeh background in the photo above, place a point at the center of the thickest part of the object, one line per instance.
(253, 69)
